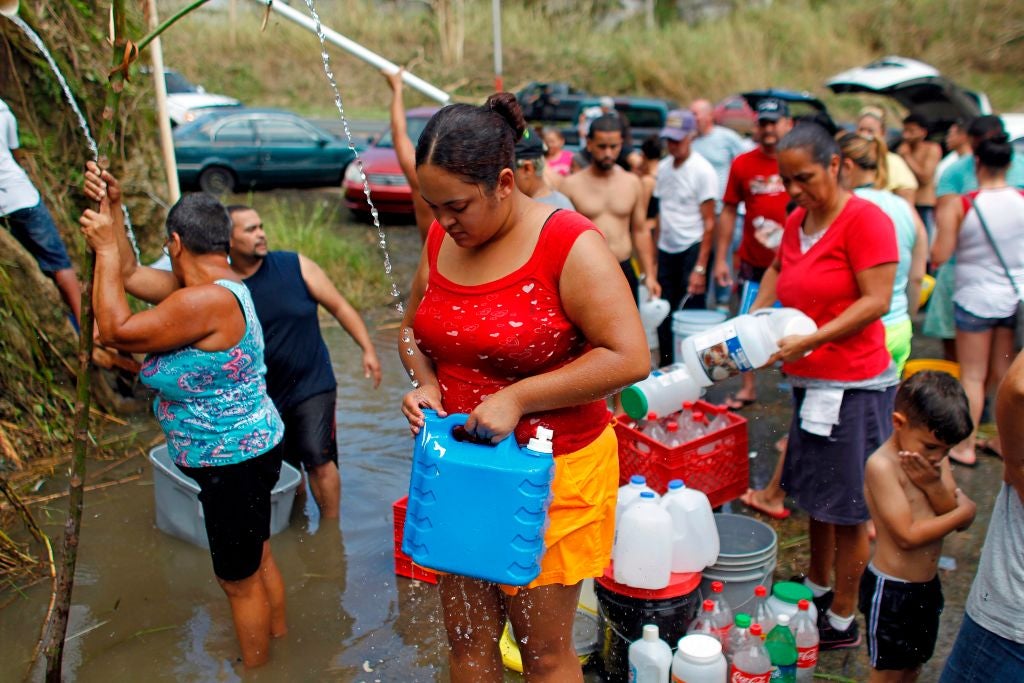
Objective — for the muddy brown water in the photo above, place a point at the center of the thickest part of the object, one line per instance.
(146, 605)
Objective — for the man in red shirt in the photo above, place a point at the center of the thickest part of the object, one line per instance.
(754, 180)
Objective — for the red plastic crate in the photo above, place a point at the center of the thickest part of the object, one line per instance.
(717, 464)
(404, 566)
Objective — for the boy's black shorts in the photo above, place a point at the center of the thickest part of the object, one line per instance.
(901, 620)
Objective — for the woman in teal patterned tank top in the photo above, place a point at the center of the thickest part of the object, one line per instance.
(204, 349)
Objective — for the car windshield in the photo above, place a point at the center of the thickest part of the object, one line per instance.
(176, 83)
(414, 126)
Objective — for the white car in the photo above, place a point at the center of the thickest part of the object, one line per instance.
(187, 102)
(919, 87)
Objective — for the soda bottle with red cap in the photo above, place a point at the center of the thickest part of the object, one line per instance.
(722, 615)
(805, 631)
(762, 613)
(704, 623)
(750, 662)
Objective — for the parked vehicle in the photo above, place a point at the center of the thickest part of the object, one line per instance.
(739, 111)
(186, 101)
(917, 86)
(388, 187)
(555, 101)
(735, 112)
(236, 149)
(646, 116)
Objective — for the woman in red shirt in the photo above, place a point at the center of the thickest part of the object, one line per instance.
(519, 316)
(836, 263)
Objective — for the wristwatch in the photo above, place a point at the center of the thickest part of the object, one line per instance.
(700, 270)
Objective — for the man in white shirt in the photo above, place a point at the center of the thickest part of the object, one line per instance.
(683, 204)
(23, 213)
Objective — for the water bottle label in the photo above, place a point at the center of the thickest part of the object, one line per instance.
(721, 354)
(632, 673)
(807, 657)
(737, 676)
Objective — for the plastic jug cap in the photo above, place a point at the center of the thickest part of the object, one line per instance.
(634, 402)
(638, 479)
(717, 586)
(650, 632)
(742, 620)
(672, 427)
(760, 591)
(541, 443)
(652, 415)
(791, 592)
(687, 405)
(676, 484)
(698, 416)
(647, 495)
(755, 629)
(782, 619)
(709, 605)
(804, 605)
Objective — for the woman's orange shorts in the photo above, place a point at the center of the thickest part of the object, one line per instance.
(581, 518)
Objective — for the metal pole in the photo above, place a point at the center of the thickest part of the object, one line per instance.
(163, 120)
(499, 84)
(356, 49)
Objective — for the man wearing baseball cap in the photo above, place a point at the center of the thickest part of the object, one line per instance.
(529, 172)
(754, 181)
(683, 209)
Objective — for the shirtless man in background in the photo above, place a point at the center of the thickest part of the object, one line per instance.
(613, 199)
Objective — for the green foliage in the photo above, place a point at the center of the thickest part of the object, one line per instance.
(349, 255)
(787, 43)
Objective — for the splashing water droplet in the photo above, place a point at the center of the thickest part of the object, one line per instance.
(415, 384)
(339, 105)
(409, 352)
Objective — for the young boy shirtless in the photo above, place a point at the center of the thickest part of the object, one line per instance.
(914, 503)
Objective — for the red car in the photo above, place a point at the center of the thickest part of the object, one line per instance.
(388, 188)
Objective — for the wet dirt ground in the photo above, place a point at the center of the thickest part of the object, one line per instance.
(146, 605)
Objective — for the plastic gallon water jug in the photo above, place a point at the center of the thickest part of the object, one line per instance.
(662, 392)
(698, 659)
(741, 344)
(786, 596)
(476, 509)
(785, 322)
(652, 313)
(650, 658)
(642, 557)
(695, 542)
(629, 494)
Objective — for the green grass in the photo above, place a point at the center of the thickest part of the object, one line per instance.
(790, 43)
(350, 256)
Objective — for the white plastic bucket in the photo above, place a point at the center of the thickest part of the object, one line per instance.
(689, 321)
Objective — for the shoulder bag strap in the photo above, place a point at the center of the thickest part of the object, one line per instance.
(992, 242)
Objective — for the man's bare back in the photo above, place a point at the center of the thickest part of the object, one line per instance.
(609, 199)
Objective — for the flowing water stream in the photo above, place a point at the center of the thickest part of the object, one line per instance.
(73, 103)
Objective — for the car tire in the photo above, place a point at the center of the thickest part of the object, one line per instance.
(217, 180)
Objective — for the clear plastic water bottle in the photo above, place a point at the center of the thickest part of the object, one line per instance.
(722, 614)
(805, 632)
(673, 437)
(698, 425)
(762, 613)
(653, 428)
(750, 661)
(716, 418)
(740, 632)
(650, 657)
(704, 622)
(781, 647)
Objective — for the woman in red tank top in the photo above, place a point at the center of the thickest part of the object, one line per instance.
(519, 316)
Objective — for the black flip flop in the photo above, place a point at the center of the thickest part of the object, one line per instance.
(743, 402)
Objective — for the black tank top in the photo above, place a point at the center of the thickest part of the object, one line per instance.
(298, 365)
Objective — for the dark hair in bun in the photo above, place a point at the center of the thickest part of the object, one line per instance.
(994, 152)
(475, 143)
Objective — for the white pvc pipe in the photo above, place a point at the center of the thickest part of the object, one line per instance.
(156, 54)
(356, 49)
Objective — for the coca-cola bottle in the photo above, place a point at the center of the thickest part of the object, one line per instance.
(750, 662)
(762, 613)
(704, 623)
(805, 631)
(722, 616)
(740, 632)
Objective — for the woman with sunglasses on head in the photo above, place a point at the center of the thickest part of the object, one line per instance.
(205, 362)
(519, 316)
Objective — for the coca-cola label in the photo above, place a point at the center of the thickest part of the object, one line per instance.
(737, 676)
(807, 657)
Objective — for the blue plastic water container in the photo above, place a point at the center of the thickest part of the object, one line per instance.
(478, 510)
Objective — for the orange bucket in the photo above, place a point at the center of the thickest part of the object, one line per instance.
(938, 364)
